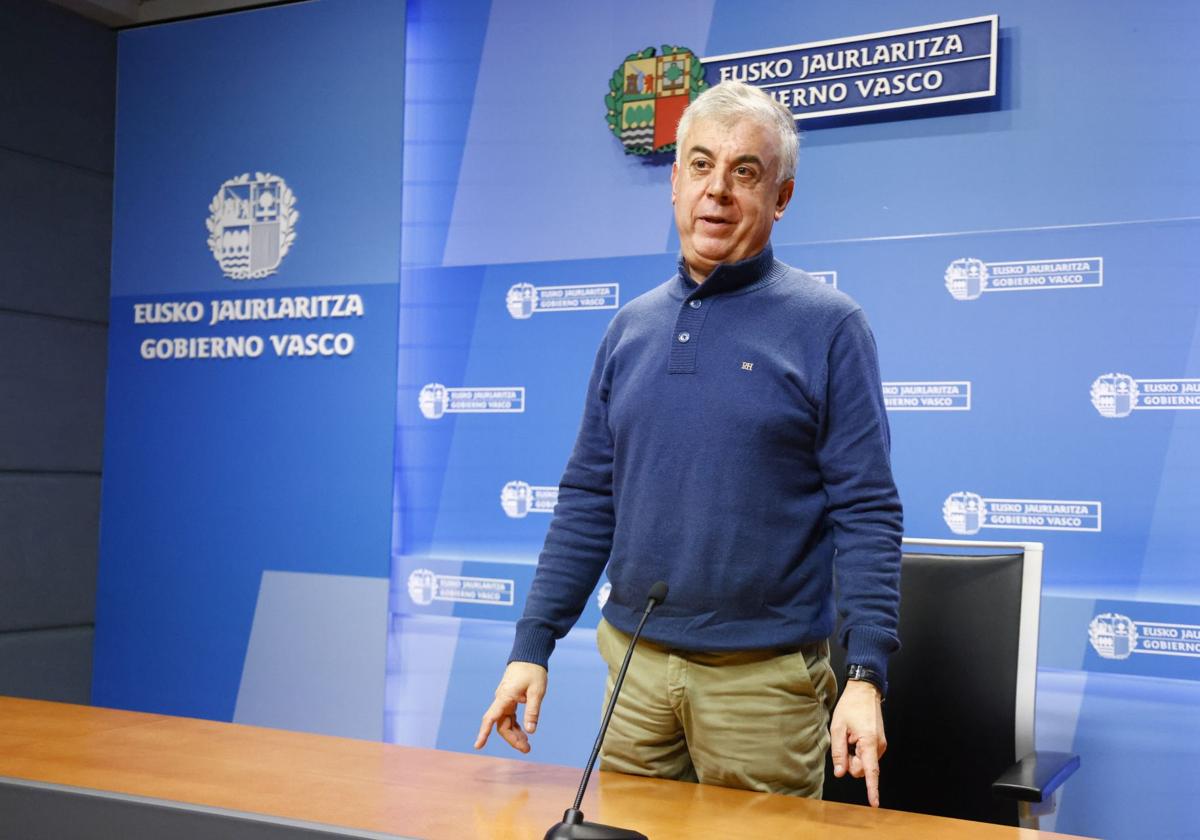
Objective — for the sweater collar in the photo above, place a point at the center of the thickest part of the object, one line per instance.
(728, 277)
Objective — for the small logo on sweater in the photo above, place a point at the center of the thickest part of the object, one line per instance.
(747, 365)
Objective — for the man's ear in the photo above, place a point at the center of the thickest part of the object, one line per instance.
(674, 178)
(785, 195)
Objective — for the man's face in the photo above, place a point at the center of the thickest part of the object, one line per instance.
(726, 192)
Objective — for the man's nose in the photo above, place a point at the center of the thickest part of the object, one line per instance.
(718, 183)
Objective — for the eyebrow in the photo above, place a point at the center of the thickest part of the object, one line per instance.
(739, 159)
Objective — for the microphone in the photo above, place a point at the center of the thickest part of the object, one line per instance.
(573, 826)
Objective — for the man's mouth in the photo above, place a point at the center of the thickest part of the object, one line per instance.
(716, 220)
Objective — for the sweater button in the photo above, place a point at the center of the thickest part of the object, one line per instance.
(695, 304)
(684, 337)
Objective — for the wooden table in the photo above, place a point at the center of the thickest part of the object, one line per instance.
(403, 790)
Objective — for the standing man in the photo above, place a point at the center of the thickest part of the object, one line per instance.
(734, 444)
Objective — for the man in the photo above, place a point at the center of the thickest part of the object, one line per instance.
(734, 439)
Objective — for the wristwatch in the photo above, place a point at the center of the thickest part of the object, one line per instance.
(862, 672)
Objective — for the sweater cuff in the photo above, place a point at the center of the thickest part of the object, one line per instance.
(532, 644)
(871, 648)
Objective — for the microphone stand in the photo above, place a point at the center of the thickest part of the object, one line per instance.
(573, 826)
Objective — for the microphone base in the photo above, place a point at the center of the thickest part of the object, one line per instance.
(573, 827)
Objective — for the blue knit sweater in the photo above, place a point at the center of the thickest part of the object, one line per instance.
(734, 440)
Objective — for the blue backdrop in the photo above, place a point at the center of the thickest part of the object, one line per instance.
(1072, 192)
(1024, 262)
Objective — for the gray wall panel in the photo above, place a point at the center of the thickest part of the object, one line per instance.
(57, 108)
(47, 664)
(48, 528)
(51, 393)
(57, 247)
(59, 90)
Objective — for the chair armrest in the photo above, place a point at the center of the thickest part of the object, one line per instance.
(1036, 776)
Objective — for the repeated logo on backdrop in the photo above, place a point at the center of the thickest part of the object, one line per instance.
(968, 278)
(436, 400)
(1116, 636)
(519, 499)
(927, 396)
(252, 225)
(524, 300)
(425, 587)
(1119, 394)
(968, 513)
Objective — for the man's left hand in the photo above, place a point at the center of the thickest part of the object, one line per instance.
(858, 724)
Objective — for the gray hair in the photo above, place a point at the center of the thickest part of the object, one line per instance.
(730, 102)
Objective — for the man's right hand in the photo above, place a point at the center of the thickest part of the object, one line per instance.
(523, 682)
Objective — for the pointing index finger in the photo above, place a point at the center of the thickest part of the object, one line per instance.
(866, 751)
(491, 717)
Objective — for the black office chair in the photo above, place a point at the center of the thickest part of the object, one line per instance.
(959, 714)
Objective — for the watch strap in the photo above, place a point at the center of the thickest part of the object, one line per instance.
(865, 674)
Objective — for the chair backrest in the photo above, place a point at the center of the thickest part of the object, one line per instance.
(960, 704)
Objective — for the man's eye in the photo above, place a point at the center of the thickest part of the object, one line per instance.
(700, 164)
(744, 172)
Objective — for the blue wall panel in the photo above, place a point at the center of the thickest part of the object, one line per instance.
(219, 470)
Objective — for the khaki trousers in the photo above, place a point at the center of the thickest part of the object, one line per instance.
(757, 720)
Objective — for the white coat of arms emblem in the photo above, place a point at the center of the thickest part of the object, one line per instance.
(251, 225)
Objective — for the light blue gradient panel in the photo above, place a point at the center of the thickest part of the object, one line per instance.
(1079, 137)
(420, 656)
(1031, 357)
(1139, 739)
(437, 322)
(443, 45)
(218, 471)
(321, 638)
(1059, 695)
(1166, 575)
(452, 471)
(542, 176)
(437, 310)
(550, 354)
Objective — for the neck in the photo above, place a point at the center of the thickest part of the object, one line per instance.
(698, 275)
